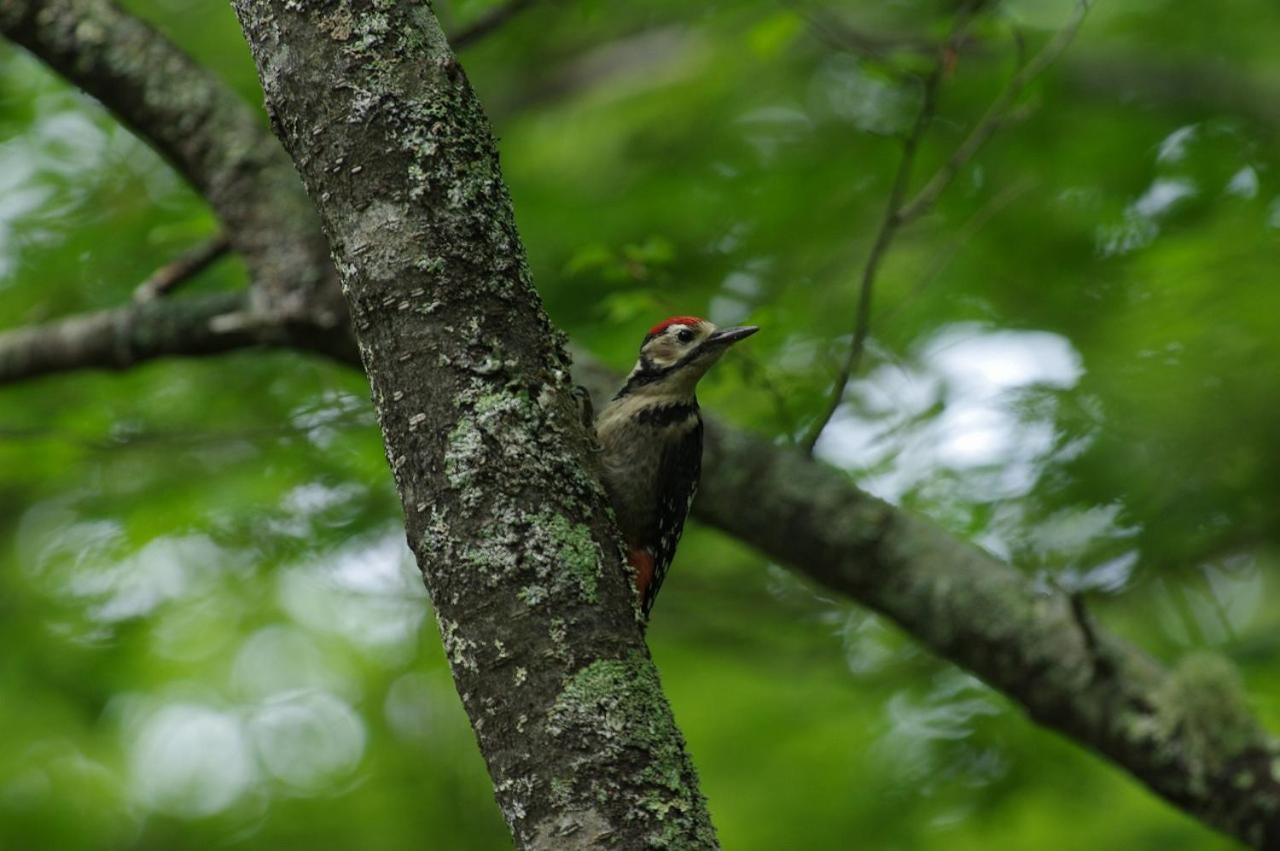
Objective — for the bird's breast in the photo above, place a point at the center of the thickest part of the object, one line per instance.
(637, 436)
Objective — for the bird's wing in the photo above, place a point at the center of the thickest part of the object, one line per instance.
(681, 467)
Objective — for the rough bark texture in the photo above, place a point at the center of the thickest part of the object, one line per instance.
(471, 385)
(1184, 733)
(204, 129)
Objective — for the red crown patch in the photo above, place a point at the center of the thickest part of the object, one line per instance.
(674, 320)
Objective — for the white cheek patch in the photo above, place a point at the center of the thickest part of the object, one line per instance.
(663, 351)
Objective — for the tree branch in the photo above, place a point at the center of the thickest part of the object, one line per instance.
(209, 134)
(889, 224)
(120, 338)
(182, 269)
(471, 384)
(124, 337)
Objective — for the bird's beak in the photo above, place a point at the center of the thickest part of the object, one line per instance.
(728, 336)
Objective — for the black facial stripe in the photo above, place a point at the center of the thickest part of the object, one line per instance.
(648, 372)
(665, 415)
(701, 350)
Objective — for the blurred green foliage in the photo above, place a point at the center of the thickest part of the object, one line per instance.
(215, 638)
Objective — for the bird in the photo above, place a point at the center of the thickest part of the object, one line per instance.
(650, 437)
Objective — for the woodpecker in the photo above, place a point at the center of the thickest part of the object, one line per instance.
(650, 437)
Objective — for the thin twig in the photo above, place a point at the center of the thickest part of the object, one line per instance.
(899, 213)
(487, 23)
(1103, 668)
(837, 33)
(964, 235)
(995, 117)
(172, 275)
(889, 224)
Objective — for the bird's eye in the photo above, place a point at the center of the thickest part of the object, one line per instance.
(684, 335)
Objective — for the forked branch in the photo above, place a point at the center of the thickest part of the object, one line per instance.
(900, 212)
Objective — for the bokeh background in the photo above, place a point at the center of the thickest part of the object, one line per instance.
(213, 636)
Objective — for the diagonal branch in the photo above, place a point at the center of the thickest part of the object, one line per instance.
(183, 268)
(177, 106)
(208, 133)
(204, 129)
(1062, 669)
(889, 224)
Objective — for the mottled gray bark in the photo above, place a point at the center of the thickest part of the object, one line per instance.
(123, 337)
(1184, 733)
(471, 385)
(208, 133)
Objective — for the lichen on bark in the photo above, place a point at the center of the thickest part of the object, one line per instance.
(471, 384)
(623, 697)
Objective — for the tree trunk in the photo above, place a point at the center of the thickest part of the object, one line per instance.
(470, 380)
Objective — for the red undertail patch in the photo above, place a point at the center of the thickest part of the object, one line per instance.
(642, 561)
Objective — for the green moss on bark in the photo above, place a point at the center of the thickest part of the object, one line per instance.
(472, 388)
(576, 552)
(1202, 707)
(620, 703)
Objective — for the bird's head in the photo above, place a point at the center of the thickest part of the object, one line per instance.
(677, 352)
